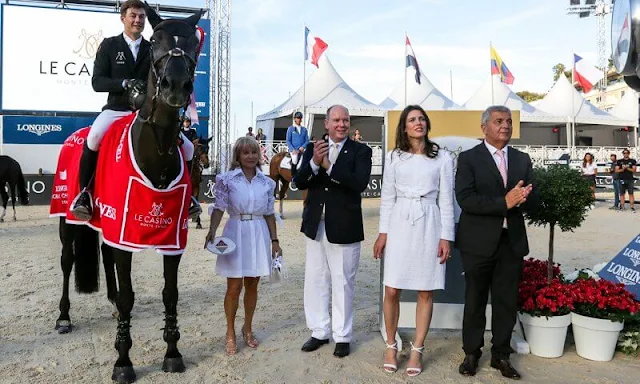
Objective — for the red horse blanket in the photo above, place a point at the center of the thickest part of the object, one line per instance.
(131, 213)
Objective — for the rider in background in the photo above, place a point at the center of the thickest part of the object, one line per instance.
(121, 68)
(297, 140)
(187, 130)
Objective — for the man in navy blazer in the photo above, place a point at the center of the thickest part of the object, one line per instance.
(334, 173)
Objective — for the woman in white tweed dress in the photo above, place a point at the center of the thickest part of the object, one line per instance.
(416, 226)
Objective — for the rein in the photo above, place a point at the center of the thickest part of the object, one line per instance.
(191, 64)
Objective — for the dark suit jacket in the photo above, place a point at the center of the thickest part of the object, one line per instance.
(339, 193)
(481, 195)
(114, 63)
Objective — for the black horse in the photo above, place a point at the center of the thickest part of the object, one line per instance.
(154, 136)
(11, 174)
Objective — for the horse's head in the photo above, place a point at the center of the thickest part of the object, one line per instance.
(203, 148)
(174, 45)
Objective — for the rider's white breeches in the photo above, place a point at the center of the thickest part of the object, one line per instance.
(294, 158)
(104, 121)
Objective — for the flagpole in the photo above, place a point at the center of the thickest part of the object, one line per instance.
(491, 70)
(573, 91)
(304, 74)
(405, 68)
(451, 83)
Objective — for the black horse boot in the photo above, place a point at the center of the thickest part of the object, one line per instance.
(82, 205)
(194, 207)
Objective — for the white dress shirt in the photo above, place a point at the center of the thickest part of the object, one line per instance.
(134, 45)
(493, 150)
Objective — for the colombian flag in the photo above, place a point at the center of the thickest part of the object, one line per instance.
(498, 67)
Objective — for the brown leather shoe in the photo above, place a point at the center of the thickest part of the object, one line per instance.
(469, 365)
(505, 367)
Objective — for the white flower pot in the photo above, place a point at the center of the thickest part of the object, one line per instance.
(595, 339)
(545, 335)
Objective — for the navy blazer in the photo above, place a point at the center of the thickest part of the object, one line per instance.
(114, 63)
(338, 193)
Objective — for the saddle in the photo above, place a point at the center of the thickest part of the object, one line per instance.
(286, 162)
(131, 213)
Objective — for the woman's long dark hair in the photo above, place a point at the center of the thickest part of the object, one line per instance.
(584, 159)
(402, 140)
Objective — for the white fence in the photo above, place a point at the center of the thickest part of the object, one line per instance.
(271, 147)
(541, 153)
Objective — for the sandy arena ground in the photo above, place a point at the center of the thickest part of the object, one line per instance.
(32, 352)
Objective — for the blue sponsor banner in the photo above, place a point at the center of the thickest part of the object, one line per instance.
(625, 268)
(40, 129)
(203, 73)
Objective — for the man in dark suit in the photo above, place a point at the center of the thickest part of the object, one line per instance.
(493, 187)
(335, 173)
(121, 68)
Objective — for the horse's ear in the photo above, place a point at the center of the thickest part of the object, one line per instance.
(152, 15)
(209, 139)
(193, 19)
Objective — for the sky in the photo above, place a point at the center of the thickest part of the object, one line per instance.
(366, 45)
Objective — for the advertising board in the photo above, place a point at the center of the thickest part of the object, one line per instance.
(40, 129)
(53, 72)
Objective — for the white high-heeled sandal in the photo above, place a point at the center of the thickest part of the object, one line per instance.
(391, 368)
(412, 372)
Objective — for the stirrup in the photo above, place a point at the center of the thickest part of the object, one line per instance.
(82, 212)
(390, 368)
(412, 372)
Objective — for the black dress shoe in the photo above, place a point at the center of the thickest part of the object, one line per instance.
(312, 344)
(342, 350)
(469, 365)
(505, 367)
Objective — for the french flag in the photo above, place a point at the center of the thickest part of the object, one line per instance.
(314, 47)
(411, 59)
(585, 74)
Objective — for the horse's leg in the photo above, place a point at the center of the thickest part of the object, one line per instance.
(283, 191)
(12, 190)
(66, 231)
(172, 359)
(123, 369)
(5, 200)
(110, 276)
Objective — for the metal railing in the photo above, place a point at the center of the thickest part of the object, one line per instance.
(541, 153)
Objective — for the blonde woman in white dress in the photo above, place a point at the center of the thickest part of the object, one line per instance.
(246, 194)
(416, 228)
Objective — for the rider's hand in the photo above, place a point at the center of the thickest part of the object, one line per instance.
(135, 84)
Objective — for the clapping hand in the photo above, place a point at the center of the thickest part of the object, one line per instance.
(321, 153)
(518, 194)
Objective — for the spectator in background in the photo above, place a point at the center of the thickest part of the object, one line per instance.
(357, 136)
(250, 132)
(260, 136)
(589, 171)
(625, 168)
(614, 181)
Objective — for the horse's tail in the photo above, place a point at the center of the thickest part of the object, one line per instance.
(87, 257)
(22, 186)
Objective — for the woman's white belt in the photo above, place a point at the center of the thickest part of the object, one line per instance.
(416, 210)
(247, 217)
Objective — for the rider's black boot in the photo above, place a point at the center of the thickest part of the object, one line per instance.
(194, 207)
(82, 206)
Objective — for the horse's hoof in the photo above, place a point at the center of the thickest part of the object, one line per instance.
(1, 220)
(198, 226)
(173, 364)
(63, 326)
(123, 375)
(14, 219)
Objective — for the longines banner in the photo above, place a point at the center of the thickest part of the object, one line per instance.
(625, 268)
(52, 71)
(40, 130)
(39, 188)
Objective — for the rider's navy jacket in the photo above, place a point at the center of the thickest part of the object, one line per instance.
(114, 63)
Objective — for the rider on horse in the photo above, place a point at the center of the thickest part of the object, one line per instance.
(187, 130)
(297, 140)
(121, 67)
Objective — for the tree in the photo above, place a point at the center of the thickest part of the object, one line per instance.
(564, 198)
(560, 68)
(530, 96)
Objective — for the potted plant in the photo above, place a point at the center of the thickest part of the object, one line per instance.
(544, 308)
(600, 309)
(564, 200)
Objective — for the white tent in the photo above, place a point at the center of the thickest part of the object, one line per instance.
(503, 95)
(424, 94)
(628, 108)
(324, 88)
(564, 100)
